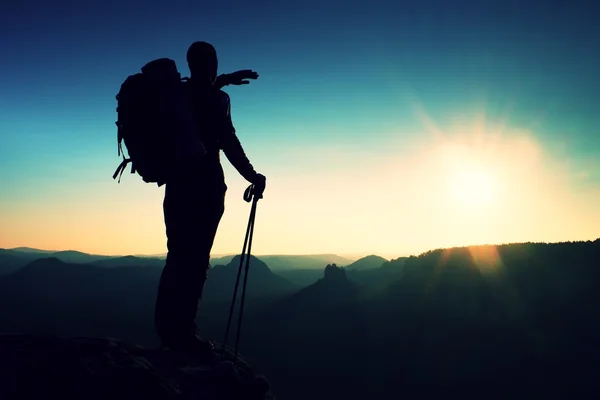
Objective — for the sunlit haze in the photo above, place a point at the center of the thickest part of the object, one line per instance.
(388, 130)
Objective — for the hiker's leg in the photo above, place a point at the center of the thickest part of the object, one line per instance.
(179, 212)
(211, 210)
(191, 217)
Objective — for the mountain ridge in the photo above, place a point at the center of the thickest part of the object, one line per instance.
(12, 259)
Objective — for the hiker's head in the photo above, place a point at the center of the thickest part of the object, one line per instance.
(203, 62)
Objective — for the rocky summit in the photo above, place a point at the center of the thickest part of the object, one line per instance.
(88, 368)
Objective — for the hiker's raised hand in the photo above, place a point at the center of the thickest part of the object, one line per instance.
(240, 77)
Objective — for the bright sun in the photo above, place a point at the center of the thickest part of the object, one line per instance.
(470, 177)
(472, 187)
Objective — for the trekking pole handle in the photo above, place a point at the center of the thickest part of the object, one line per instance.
(250, 194)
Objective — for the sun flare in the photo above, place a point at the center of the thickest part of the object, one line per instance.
(472, 187)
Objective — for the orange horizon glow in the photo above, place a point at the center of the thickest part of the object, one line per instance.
(472, 183)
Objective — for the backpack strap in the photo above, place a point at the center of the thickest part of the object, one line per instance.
(121, 168)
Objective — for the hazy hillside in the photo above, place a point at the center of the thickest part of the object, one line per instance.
(9, 263)
(368, 262)
(305, 277)
(316, 261)
(72, 256)
(262, 282)
(131, 261)
(291, 262)
(32, 250)
(301, 277)
(11, 260)
(372, 281)
(330, 292)
(21, 256)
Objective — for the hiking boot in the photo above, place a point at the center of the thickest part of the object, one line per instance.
(194, 345)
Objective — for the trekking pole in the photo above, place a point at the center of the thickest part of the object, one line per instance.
(248, 196)
(243, 299)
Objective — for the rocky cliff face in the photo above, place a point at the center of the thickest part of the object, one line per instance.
(35, 367)
(334, 273)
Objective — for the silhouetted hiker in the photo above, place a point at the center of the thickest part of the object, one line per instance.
(194, 204)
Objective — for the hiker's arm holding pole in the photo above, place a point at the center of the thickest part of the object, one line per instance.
(235, 154)
(231, 146)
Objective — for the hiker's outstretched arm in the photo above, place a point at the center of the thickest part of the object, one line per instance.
(235, 78)
(231, 146)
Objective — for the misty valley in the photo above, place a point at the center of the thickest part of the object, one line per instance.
(511, 315)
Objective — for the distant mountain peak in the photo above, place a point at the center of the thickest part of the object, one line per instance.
(334, 273)
(369, 262)
(73, 252)
(41, 266)
(255, 263)
(46, 262)
(261, 280)
(32, 250)
(372, 257)
(329, 292)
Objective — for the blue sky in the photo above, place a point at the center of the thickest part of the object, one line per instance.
(338, 91)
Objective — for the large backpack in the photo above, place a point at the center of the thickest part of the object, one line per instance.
(156, 123)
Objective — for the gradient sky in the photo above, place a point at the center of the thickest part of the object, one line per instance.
(374, 122)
